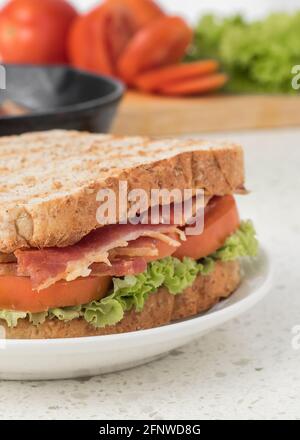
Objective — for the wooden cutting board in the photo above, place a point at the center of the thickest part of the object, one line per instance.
(160, 116)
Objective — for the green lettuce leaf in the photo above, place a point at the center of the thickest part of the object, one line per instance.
(11, 317)
(206, 266)
(65, 313)
(242, 243)
(108, 311)
(258, 55)
(131, 292)
(37, 318)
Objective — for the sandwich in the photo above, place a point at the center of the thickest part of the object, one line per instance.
(66, 271)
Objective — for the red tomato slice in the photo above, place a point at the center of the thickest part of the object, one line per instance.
(161, 43)
(79, 52)
(97, 39)
(155, 79)
(194, 86)
(221, 219)
(16, 293)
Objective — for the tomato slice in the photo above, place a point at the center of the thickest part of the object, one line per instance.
(221, 219)
(161, 43)
(16, 293)
(79, 52)
(97, 39)
(155, 79)
(194, 86)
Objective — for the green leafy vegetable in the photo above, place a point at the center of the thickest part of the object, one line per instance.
(37, 318)
(131, 292)
(12, 317)
(258, 55)
(241, 244)
(108, 311)
(66, 313)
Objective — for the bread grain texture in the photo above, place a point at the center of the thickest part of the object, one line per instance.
(161, 308)
(49, 180)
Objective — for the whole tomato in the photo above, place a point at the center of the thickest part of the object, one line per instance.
(35, 31)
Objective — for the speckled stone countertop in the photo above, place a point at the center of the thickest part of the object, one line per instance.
(245, 369)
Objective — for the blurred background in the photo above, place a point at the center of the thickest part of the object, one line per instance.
(207, 54)
(192, 8)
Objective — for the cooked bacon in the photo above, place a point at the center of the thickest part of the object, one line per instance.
(8, 269)
(49, 265)
(7, 258)
(168, 214)
(120, 267)
(107, 247)
(142, 247)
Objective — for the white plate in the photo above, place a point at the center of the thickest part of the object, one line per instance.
(79, 357)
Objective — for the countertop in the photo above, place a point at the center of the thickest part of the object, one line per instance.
(246, 369)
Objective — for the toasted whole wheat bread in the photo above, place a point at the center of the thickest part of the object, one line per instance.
(49, 180)
(161, 308)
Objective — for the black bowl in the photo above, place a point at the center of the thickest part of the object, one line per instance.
(59, 97)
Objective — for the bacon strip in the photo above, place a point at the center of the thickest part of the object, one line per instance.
(49, 265)
(142, 247)
(8, 269)
(119, 267)
(7, 258)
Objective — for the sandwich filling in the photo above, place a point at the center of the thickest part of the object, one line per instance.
(115, 268)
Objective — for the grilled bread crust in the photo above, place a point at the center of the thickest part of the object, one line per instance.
(49, 180)
(161, 308)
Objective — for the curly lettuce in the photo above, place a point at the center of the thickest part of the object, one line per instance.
(11, 317)
(108, 311)
(258, 55)
(132, 291)
(242, 243)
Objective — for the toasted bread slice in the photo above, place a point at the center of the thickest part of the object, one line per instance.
(49, 180)
(161, 308)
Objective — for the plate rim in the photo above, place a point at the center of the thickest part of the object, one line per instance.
(247, 302)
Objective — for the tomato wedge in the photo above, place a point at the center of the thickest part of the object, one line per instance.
(221, 219)
(16, 293)
(97, 39)
(153, 80)
(144, 11)
(161, 43)
(194, 86)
